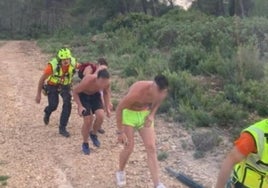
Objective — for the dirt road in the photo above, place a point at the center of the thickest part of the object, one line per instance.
(35, 155)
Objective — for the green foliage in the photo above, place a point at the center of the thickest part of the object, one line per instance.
(165, 107)
(132, 20)
(194, 117)
(3, 180)
(166, 36)
(181, 85)
(260, 8)
(115, 102)
(114, 87)
(240, 8)
(212, 64)
(214, 7)
(228, 114)
(254, 97)
(186, 58)
(199, 154)
(162, 155)
(191, 105)
(130, 81)
(204, 141)
(249, 66)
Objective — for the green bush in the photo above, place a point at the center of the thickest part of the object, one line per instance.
(249, 66)
(211, 64)
(186, 58)
(132, 20)
(167, 36)
(228, 114)
(165, 106)
(3, 180)
(162, 155)
(194, 117)
(115, 102)
(205, 140)
(199, 154)
(114, 86)
(254, 97)
(124, 42)
(181, 85)
(130, 81)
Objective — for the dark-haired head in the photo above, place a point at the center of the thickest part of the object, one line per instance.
(103, 79)
(162, 82)
(104, 74)
(102, 61)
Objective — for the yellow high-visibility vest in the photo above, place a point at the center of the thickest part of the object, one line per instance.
(253, 171)
(57, 77)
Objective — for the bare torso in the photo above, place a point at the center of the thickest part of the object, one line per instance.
(142, 97)
(90, 85)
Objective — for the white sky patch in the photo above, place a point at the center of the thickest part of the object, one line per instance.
(182, 3)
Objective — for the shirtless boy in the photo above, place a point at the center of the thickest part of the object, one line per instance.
(88, 98)
(136, 111)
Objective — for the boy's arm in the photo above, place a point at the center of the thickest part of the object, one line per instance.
(232, 158)
(107, 100)
(101, 67)
(155, 107)
(40, 86)
(150, 118)
(126, 102)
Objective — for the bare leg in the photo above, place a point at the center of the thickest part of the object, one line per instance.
(128, 149)
(148, 136)
(86, 127)
(99, 120)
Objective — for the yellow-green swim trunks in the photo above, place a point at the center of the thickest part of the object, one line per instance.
(135, 119)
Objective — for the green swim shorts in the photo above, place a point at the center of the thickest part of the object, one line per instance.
(135, 119)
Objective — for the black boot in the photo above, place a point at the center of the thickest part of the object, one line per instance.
(46, 119)
(64, 132)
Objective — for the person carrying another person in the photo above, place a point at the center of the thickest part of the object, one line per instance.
(136, 112)
(56, 80)
(88, 99)
(89, 68)
(246, 165)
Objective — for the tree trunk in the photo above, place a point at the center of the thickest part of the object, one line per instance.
(171, 3)
(123, 7)
(241, 5)
(220, 8)
(144, 6)
(154, 9)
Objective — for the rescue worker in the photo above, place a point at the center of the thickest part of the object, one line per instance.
(246, 166)
(56, 80)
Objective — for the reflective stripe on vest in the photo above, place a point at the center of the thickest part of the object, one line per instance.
(57, 77)
(253, 171)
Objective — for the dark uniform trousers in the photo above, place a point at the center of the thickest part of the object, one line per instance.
(53, 93)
